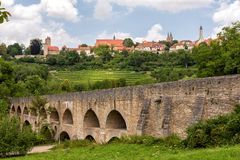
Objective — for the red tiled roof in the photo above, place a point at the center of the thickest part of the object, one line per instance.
(109, 42)
(53, 48)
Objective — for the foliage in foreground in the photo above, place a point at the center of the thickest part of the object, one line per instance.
(223, 130)
(14, 139)
(135, 152)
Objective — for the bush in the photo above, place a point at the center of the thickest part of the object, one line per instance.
(223, 130)
(13, 139)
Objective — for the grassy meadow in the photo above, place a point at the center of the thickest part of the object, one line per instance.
(91, 76)
(135, 152)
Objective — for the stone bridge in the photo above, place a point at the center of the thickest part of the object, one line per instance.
(158, 110)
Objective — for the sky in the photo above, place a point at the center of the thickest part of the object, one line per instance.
(74, 22)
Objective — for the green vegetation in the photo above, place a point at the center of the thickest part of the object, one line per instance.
(223, 130)
(92, 76)
(3, 14)
(135, 152)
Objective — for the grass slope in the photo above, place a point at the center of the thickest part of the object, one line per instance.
(135, 152)
(86, 76)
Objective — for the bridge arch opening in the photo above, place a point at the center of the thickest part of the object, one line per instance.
(25, 111)
(54, 116)
(47, 132)
(67, 117)
(19, 111)
(91, 120)
(115, 121)
(90, 138)
(64, 136)
(27, 124)
(113, 140)
(43, 113)
(13, 109)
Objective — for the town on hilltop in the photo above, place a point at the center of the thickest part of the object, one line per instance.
(170, 44)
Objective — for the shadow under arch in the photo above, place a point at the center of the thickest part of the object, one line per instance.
(115, 121)
(25, 111)
(67, 117)
(26, 123)
(19, 111)
(64, 136)
(13, 109)
(90, 138)
(113, 140)
(54, 116)
(91, 120)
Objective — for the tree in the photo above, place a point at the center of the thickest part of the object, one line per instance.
(3, 14)
(14, 49)
(128, 42)
(36, 46)
(104, 52)
(72, 57)
(3, 49)
(84, 45)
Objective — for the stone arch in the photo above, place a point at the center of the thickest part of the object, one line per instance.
(91, 120)
(19, 111)
(90, 138)
(47, 132)
(113, 139)
(26, 123)
(25, 111)
(13, 109)
(64, 136)
(43, 113)
(67, 117)
(54, 116)
(115, 121)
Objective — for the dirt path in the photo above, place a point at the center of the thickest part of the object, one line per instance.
(41, 149)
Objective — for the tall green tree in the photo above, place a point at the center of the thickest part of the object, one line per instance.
(36, 46)
(3, 49)
(128, 42)
(104, 52)
(15, 49)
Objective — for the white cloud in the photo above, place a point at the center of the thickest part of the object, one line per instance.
(27, 23)
(61, 9)
(103, 8)
(226, 14)
(7, 3)
(153, 34)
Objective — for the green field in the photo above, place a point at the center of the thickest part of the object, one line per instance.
(91, 76)
(135, 152)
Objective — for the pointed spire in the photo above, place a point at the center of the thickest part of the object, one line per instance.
(201, 37)
(114, 37)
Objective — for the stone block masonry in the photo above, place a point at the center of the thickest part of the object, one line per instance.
(158, 110)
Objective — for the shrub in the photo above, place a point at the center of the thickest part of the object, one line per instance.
(222, 130)
(13, 139)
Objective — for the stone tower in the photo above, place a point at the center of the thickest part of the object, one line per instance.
(201, 37)
(169, 37)
(46, 44)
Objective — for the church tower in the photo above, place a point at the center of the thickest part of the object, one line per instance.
(201, 37)
(46, 44)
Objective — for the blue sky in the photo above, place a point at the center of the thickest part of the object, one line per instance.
(72, 22)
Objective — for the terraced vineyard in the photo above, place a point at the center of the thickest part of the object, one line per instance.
(91, 76)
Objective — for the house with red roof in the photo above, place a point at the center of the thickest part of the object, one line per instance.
(49, 49)
(116, 44)
(155, 47)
